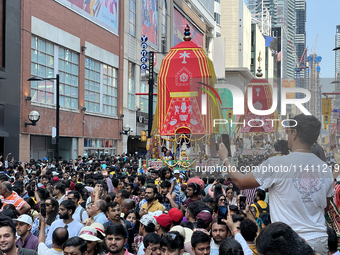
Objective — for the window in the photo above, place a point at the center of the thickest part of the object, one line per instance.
(68, 72)
(131, 88)
(43, 56)
(100, 88)
(132, 18)
(217, 18)
(100, 147)
(42, 65)
(164, 25)
(218, 34)
(218, 1)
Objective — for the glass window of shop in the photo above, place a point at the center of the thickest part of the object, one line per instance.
(99, 147)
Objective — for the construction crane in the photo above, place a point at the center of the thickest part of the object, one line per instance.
(316, 41)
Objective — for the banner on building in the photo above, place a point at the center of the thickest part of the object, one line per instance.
(101, 12)
(150, 21)
(180, 23)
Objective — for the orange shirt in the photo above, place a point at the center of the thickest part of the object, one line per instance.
(14, 199)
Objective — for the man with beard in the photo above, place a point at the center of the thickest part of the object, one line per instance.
(66, 210)
(219, 232)
(113, 212)
(152, 203)
(115, 239)
(8, 238)
(168, 201)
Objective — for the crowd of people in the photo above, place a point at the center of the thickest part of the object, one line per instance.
(109, 206)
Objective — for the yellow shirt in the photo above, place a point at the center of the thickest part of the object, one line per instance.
(154, 206)
(262, 204)
(253, 248)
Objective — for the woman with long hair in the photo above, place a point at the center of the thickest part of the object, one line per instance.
(52, 208)
(218, 190)
(33, 212)
(230, 196)
(220, 201)
(134, 218)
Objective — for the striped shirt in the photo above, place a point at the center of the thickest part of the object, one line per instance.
(13, 199)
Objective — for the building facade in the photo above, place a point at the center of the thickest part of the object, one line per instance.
(10, 67)
(164, 31)
(84, 44)
(337, 66)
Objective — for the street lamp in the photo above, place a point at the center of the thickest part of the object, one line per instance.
(33, 116)
(126, 129)
(34, 78)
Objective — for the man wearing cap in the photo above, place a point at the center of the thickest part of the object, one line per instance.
(23, 227)
(163, 223)
(59, 237)
(176, 216)
(147, 225)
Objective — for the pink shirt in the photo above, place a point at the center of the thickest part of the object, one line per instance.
(125, 253)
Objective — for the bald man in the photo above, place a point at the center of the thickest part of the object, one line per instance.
(59, 236)
(127, 205)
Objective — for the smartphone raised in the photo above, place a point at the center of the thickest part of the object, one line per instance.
(222, 214)
(243, 204)
(43, 209)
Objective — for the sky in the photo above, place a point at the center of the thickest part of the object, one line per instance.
(322, 18)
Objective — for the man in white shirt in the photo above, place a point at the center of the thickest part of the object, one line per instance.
(300, 184)
(66, 210)
(59, 191)
(59, 236)
(80, 214)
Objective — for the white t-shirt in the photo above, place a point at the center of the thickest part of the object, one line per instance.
(141, 249)
(73, 229)
(43, 250)
(76, 215)
(298, 184)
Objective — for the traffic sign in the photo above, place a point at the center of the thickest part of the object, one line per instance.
(336, 115)
(336, 110)
(144, 67)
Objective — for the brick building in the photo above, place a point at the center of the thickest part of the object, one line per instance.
(84, 44)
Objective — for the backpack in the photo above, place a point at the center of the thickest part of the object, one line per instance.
(264, 216)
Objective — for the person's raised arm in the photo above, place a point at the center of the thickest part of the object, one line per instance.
(41, 238)
(242, 181)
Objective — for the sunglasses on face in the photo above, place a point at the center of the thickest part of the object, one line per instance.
(222, 199)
